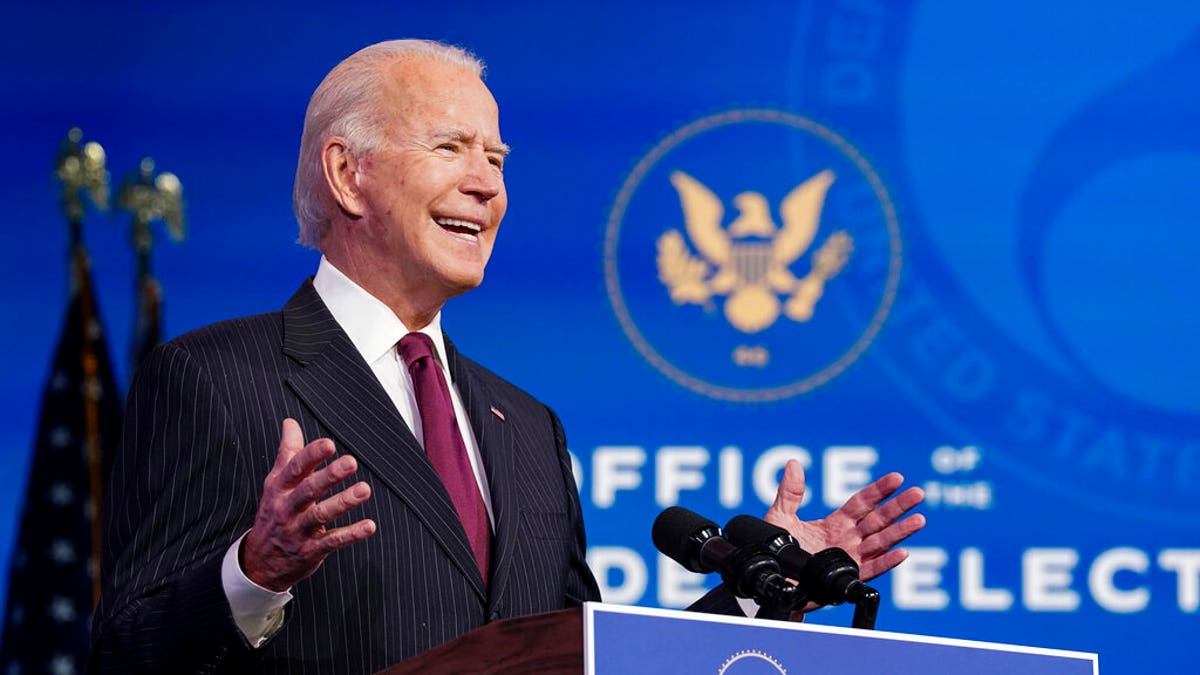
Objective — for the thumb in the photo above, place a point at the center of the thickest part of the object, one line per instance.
(291, 441)
(790, 494)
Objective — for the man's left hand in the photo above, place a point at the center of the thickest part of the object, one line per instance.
(866, 526)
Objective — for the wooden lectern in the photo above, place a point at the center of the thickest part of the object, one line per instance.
(550, 643)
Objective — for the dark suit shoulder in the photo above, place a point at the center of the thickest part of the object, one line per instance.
(230, 333)
(228, 345)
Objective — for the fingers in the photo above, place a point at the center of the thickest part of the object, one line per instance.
(877, 544)
(303, 463)
(865, 500)
(335, 507)
(874, 567)
(295, 460)
(790, 494)
(298, 484)
(869, 525)
(302, 500)
(344, 536)
(891, 511)
(880, 526)
(316, 484)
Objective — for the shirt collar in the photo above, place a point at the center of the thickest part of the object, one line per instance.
(371, 325)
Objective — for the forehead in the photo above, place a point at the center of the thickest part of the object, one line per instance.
(428, 91)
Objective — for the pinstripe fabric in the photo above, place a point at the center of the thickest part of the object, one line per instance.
(201, 433)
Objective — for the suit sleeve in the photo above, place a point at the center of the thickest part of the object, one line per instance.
(719, 600)
(581, 585)
(178, 496)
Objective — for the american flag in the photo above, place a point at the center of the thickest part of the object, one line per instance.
(147, 328)
(54, 575)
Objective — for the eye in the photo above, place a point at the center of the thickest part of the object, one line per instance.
(449, 147)
(496, 161)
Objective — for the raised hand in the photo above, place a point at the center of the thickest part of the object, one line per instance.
(289, 540)
(866, 526)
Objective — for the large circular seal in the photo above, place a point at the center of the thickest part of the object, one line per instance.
(752, 255)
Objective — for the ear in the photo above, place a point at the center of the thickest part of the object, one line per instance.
(341, 174)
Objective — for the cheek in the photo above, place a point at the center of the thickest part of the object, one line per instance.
(487, 243)
(499, 206)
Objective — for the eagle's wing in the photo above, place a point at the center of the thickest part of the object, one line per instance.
(681, 272)
(702, 213)
(801, 211)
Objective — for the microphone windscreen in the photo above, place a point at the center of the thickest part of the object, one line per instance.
(672, 532)
(747, 530)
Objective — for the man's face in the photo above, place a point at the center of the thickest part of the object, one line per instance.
(434, 192)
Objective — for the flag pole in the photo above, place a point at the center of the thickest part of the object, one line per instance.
(81, 169)
(150, 197)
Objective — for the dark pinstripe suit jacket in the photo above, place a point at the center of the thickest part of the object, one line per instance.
(201, 433)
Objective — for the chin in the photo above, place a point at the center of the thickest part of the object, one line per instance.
(459, 284)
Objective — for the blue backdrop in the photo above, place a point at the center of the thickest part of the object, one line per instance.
(1005, 307)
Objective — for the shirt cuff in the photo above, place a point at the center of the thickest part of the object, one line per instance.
(257, 611)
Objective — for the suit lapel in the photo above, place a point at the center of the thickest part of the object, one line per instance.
(496, 445)
(343, 393)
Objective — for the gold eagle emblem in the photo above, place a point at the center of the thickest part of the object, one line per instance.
(750, 261)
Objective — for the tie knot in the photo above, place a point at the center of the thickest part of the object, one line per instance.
(414, 347)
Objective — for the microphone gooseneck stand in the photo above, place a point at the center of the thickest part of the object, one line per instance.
(832, 578)
(865, 610)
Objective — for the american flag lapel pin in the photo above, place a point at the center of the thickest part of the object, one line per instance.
(497, 413)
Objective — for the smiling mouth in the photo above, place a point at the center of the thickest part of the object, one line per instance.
(459, 226)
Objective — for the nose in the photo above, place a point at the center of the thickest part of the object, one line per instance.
(482, 179)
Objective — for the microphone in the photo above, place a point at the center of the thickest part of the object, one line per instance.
(745, 530)
(829, 577)
(698, 544)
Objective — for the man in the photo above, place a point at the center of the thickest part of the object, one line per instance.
(237, 542)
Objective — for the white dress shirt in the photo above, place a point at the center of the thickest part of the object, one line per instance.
(375, 330)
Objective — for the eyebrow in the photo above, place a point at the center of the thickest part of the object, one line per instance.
(460, 136)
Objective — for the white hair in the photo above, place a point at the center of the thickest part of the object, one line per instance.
(346, 104)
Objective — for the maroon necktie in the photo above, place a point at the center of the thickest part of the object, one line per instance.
(444, 444)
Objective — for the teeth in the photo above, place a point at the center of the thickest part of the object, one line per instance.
(455, 222)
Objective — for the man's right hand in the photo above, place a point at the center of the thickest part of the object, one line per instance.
(289, 539)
